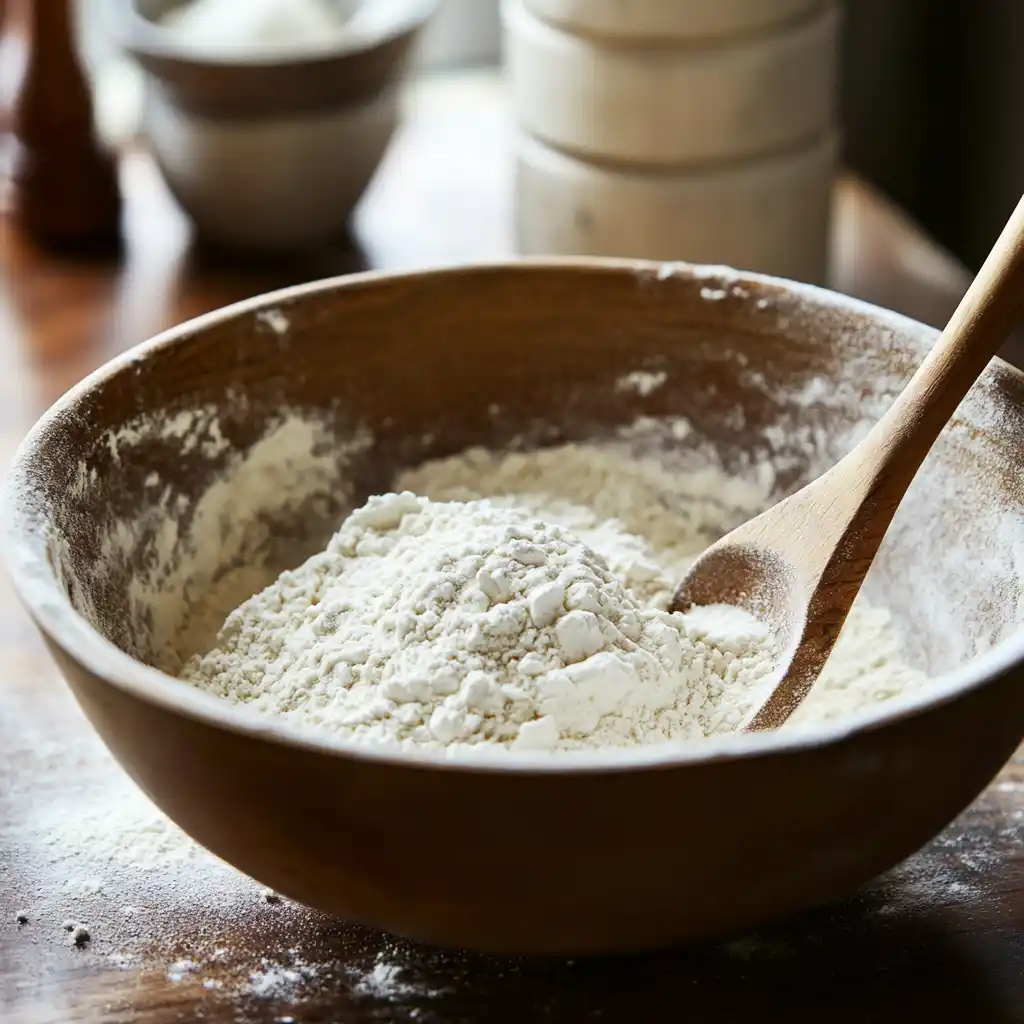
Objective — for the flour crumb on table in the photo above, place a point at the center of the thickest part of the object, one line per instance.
(180, 969)
(274, 981)
(78, 934)
(383, 981)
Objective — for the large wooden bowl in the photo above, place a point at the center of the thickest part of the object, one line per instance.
(589, 853)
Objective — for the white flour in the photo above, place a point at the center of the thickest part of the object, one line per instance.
(278, 27)
(440, 624)
(606, 494)
(460, 622)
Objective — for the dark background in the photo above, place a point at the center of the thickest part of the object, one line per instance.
(933, 111)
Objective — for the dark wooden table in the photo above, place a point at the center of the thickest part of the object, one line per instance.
(939, 939)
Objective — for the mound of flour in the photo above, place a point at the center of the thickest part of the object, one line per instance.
(650, 514)
(453, 623)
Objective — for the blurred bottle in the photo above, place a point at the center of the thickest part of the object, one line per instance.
(62, 187)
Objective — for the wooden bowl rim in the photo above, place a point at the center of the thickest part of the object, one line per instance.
(23, 545)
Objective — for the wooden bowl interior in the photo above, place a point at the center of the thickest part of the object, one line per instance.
(397, 370)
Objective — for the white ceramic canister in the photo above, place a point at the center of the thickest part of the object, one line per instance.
(769, 214)
(673, 105)
(669, 20)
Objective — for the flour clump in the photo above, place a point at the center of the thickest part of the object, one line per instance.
(448, 624)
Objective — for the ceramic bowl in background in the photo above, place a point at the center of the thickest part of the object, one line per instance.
(269, 152)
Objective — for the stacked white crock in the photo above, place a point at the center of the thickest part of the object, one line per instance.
(700, 130)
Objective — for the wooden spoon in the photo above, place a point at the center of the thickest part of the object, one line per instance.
(800, 565)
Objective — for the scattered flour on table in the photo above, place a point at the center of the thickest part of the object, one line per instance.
(276, 981)
(390, 979)
(104, 841)
(522, 604)
(98, 855)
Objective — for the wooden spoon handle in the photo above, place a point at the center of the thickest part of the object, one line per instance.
(852, 506)
(987, 313)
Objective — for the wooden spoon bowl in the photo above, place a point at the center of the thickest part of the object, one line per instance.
(116, 489)
(805, 558)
